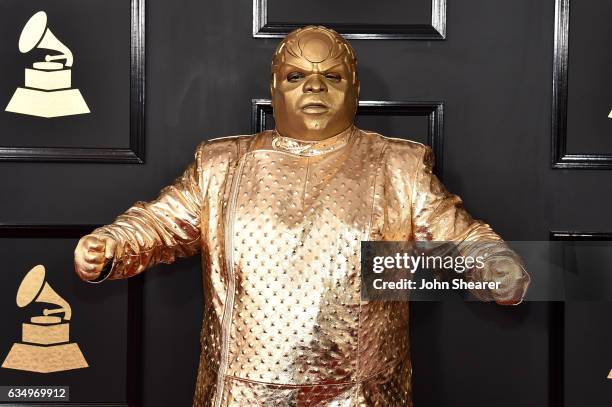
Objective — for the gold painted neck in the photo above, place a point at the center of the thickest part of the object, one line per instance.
(308, 148)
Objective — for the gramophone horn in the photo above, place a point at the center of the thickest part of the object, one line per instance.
(33, 288)
(35, 34)
(48, 295)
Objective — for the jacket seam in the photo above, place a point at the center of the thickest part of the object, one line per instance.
(294, 385)
(378, 169)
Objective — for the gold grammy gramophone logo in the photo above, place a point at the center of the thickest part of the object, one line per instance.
(45, 341)
(47, 92)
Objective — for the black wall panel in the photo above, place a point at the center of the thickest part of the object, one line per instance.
(493, 71)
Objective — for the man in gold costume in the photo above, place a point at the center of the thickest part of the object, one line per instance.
(278, 218)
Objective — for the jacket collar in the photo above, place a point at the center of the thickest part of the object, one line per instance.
(311, 148)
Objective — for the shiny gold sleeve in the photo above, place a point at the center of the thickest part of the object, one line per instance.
(440, 216)
(161, 230)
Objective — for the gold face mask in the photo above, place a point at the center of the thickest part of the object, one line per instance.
(314, 85)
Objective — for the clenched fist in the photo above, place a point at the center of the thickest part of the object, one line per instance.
(91, 255)
(511, 276)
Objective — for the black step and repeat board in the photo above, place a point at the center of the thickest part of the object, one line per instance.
(582, 85)
(104, 324)
(72, 83)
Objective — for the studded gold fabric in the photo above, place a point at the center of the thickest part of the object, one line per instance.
(279, 223)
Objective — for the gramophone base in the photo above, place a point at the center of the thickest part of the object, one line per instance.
(47, 104)
(45, 359)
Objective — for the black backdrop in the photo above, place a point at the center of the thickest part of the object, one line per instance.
(494, 73)
(98, 36)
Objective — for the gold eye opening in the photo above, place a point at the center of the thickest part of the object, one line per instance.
(295, 76)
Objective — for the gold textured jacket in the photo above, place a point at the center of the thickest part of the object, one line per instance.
(278, 222)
